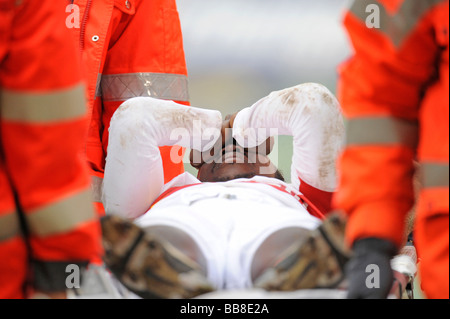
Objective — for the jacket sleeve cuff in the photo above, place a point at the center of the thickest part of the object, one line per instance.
(50, 277)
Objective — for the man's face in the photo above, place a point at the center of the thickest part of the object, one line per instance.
(235, 162)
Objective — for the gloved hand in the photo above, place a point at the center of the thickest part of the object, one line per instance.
(369, 271)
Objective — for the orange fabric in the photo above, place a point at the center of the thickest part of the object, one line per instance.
(392, 5)
(99, 209)
(42, 162)
(432, 246)
(25, 141)
(6, 195)
(403, 76)
(145, 37)
(433, 200)
(367, 193)
(71, 246)
(13, 268)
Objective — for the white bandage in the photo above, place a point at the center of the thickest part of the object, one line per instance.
(404, 265)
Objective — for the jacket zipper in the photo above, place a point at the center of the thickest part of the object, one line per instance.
(83, 24)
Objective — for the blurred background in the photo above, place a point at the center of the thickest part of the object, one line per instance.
(238, 51)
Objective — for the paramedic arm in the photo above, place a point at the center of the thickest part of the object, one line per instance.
(311, 114)
(133, 173)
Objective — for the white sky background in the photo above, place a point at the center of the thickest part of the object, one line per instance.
(238, 51)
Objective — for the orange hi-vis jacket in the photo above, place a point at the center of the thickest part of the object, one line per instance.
(130, 48)
(47, 219)
(395, 94)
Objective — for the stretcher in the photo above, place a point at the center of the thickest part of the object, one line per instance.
(99, 283)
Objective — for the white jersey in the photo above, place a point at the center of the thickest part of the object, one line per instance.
(309, 112)
(187, 189)
(229, 221)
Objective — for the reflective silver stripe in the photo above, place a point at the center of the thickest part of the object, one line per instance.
(42, 108)
(400, 25)
(9, 226)
(97, 188)
(382, 131)
(62, 216)
(120, 87)
(435, 175)
(98, 86)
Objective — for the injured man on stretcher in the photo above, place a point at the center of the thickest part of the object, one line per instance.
(238, 224)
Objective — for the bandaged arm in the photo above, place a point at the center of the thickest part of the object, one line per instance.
(133, 171)
(312, 115)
